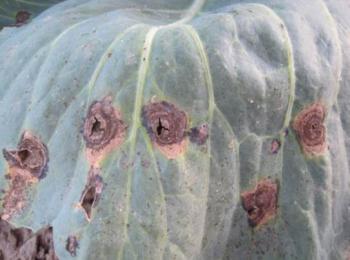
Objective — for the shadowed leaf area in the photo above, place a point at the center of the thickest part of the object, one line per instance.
(17, 13)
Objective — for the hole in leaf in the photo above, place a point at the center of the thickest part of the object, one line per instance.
(161, 128)
(88, 200)
(96, 127)
(92, 192)
(23, 155)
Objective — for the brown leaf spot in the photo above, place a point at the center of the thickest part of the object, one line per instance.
(310, 129)
(72, 245)
(27, 164)
(260, 203)
(103, 129)
(275, 146)
(199, 134)
(15, 197)
(92, 192)
(31, 155)
(22, 17)
(166, 126)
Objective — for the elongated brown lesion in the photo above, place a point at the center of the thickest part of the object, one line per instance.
(26, 165)
(92, 192)
(310, 129)
(260, 203)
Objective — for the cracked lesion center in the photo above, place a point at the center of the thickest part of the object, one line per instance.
(166, 124)
(102, 124)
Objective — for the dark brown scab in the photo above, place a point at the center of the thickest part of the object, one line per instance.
(31, 155)
(72, 245)
(260, 203)
(199, 134)
(310, 129)
(166, 124)
(22, 17)
(92, 192)
(102, 124)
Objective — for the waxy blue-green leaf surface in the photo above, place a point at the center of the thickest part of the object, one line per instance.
(244, 67)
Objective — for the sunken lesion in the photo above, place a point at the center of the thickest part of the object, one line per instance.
(103, 129)
(310, 129)
(27, 164)
(260, 203)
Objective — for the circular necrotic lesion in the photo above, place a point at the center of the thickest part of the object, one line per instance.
(166, 124)
(101, 125)
(310, 128)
